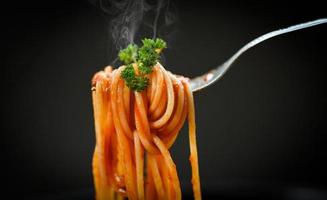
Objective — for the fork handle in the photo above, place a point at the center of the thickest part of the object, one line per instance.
(216, 74)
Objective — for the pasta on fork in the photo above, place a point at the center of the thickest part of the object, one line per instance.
(137, 119)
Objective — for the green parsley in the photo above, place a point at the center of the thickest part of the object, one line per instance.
(143, 69)
(156, 44)
(128, 55)
(145, 57)
(138, 83)
(128, 73)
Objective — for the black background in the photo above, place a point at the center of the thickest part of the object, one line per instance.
(261, 129)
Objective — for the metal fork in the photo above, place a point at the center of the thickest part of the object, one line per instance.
(214, 75)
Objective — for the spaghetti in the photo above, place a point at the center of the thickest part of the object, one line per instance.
(134, 131)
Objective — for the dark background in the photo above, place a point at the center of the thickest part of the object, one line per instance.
(261, 129)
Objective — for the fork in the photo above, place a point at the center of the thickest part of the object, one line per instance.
(214, 75)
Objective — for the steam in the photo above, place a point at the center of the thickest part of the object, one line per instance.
(156, 19)
(132, 20)
(124, 26)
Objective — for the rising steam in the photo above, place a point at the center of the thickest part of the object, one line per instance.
(132, 20)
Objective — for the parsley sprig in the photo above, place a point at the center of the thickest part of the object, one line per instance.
(128, 55)
(145, 57)
(134, 82)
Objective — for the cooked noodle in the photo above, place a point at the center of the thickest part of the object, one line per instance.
(134, 132)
